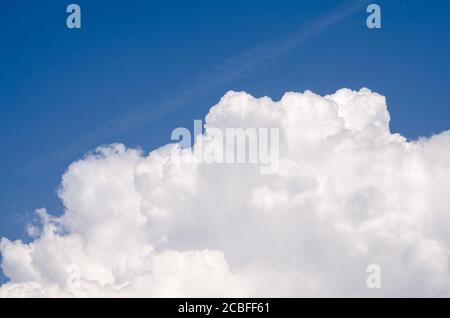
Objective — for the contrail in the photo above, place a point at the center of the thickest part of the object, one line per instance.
(247, 62)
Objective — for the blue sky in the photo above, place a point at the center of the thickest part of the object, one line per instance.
(63, 92)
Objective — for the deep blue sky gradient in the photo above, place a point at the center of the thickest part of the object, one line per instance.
(58, 86)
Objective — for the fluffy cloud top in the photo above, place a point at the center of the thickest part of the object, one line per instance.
(348, 193)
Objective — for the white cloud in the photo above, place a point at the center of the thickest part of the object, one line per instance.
(348, 193)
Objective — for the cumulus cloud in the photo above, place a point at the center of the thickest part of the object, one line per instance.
(347, 193)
